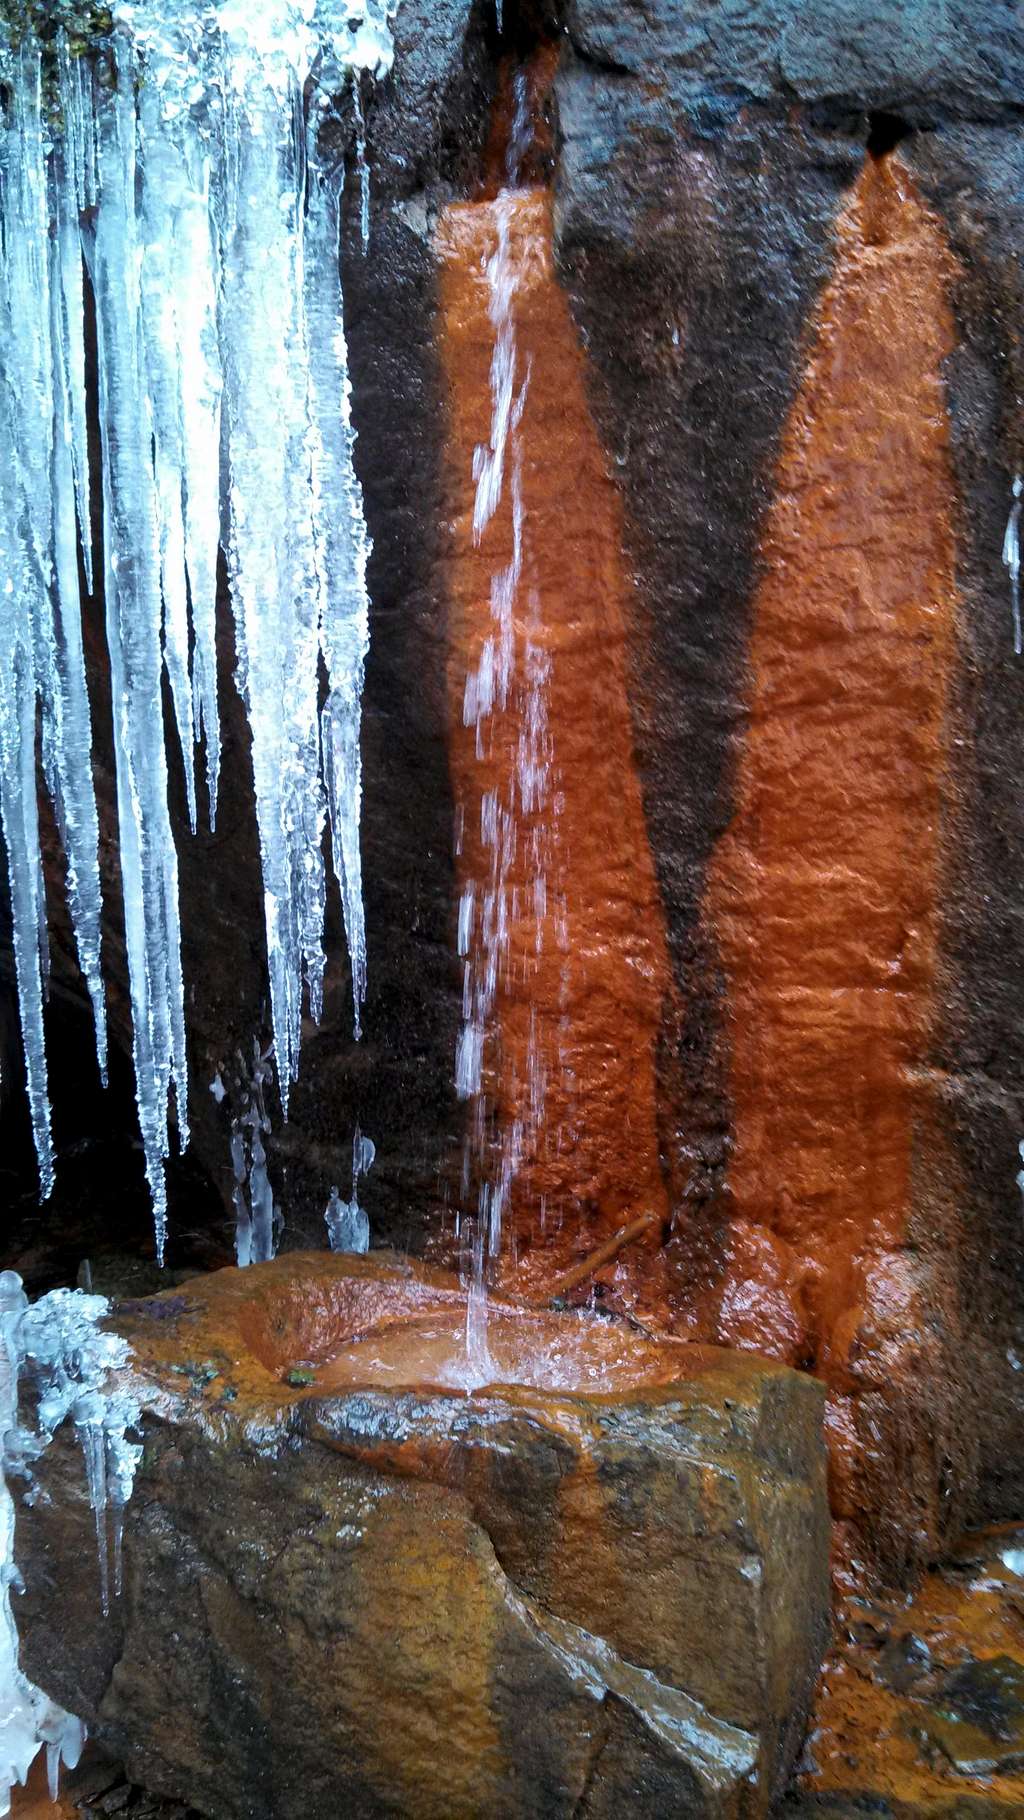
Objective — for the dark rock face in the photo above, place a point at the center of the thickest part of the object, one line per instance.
(705, 157)
(381, 1598)
(931, 61)
(973, 177)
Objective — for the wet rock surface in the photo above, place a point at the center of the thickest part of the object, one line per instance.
(919, 1714)
(701, 161)
(341, 1597)
(707, 160)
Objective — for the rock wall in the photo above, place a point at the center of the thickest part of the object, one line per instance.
(789, 238)
(710, 161)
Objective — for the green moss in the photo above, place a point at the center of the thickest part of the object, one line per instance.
(86, 22)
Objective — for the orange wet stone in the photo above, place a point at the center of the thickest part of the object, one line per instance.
(583, 967)
(825, 892)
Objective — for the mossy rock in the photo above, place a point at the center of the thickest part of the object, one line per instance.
(85, 22)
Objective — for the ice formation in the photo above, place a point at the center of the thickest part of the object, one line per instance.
(78, 1373)
(1011, 557)
(348, 1228)
(187, 173)
(257, 1216)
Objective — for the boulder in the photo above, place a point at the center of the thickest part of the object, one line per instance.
(360, 1578)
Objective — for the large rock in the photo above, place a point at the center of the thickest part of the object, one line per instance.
(597, 1589)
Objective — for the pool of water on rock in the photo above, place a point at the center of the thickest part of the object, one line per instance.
(316, 1324)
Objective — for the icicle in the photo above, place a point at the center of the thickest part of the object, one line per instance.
(272, 557)
(26, 560)
(343, 549)
(192, 183)
(77, 1369)
(257, 1216)
(1011, 557)
(181, 279)
(348, 1227)
(75, 192)
(149, 866)
(362, 162)
(201, 390)
(64, 690)
(162, 191)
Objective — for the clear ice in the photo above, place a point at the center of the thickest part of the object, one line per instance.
(185, 177)
(79, 1373)
(257, 1216)
(1011, 557)
(348, 1226)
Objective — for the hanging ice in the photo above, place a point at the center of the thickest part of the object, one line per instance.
(187, 172)
(79, 1373)
(348, 1228)
(257, 1216)
(1011, 558)
(41, 662)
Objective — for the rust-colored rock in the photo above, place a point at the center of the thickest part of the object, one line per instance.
(916, 1696)
(825, 893)
(350, 1591)
(581, 987)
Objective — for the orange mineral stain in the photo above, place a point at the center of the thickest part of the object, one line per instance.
(568, 1043)
(825, 893)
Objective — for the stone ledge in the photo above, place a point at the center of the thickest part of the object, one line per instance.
(343, 1595)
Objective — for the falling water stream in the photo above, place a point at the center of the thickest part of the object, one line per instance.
(560, 935)
(510, 674)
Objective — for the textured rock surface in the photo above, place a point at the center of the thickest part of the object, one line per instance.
(919, 1710)
(707, 163)
(569, 1059)
(376, 1597)
(824, 895)
(704, 161)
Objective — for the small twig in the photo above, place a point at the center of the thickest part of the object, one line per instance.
(580, 1272)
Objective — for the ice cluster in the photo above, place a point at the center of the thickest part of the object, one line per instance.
(73, 1370)
(181, 176)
